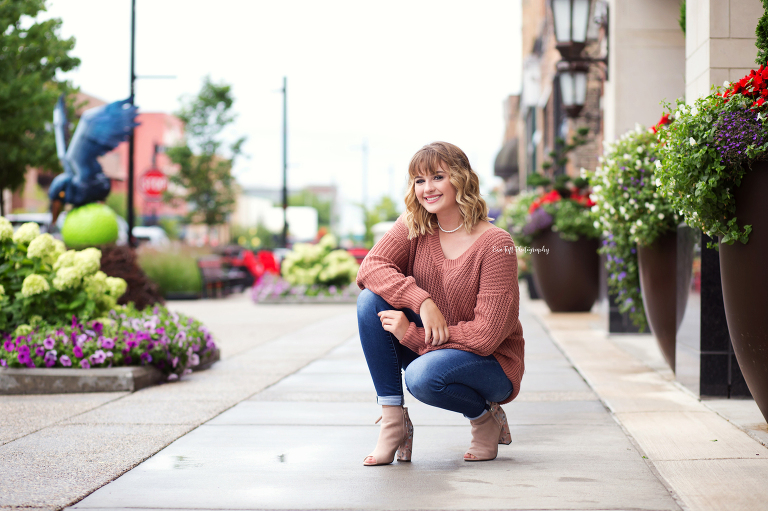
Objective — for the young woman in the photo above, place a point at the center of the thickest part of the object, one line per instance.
(440, 301)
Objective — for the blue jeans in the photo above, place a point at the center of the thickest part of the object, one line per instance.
(454, 380)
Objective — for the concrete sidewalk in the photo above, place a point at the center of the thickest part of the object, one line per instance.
(300, 443)
(286, 418)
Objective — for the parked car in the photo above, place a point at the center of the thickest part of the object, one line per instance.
(153, 236)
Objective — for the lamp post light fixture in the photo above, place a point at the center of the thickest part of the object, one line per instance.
(573, 86)
(571, 20)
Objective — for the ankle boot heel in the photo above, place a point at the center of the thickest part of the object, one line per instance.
(505, 437)
(405, 449)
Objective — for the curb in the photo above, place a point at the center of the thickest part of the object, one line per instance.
(69, 381)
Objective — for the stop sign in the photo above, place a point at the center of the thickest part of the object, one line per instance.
(153, 183)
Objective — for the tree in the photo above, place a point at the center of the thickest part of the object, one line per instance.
(307, 198)
(384, 211)
(30, 56)
(204, 179)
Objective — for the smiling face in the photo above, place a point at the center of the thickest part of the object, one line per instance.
(435, 192)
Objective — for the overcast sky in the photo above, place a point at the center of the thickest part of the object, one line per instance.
(397, 74)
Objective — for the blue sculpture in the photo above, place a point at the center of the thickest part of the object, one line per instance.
(99, 131)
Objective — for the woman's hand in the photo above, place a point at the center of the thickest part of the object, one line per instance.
(435, 327)
(394, 322)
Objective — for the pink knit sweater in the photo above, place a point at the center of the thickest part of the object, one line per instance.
(476, 292)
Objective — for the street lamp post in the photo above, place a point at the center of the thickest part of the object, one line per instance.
(285, 163)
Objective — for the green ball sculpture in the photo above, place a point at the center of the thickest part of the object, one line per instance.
(89, 225)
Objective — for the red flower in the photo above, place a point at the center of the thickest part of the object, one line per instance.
(547, 198)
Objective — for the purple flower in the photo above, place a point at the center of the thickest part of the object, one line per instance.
(3, 363)
(98, 357)
(175, 361)
(39, 351)
(9, 346)
(78, 351)
(146, 358)
(81, 339)
(107, 343)
(65, 361)
(128, 360)
(98, 327)
(50, 358)
(332, 290)
(622, 276)
(49, 343)
(194, 360)
(23, 358)
(84, 364)
(160, 330)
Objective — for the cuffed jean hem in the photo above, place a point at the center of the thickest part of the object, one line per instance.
(390, 400)
(475, 418)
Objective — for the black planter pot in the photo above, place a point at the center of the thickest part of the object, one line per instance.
(664, 287)
(567, 276)
(744, 275)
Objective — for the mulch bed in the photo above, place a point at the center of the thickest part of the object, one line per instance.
(120, 261)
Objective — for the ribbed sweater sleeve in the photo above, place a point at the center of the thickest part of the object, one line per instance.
(384, 268)
(496, 306)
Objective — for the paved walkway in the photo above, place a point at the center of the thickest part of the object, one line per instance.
(299, 444)
(285, 420)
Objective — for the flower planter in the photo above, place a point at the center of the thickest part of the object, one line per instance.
(568, 275)
(664, 287)
(744, 275)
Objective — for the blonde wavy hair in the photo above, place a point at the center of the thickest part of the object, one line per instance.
(426, 162)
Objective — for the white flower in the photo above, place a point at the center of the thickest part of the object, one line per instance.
(638, 163)
(596, 224)
(632, 230)
(692, 141)
(661, 216)
(655, 195)
(639, 222)
(726, 84)
(631, 201)
(34, 285)
(652, 207)
(583, 173)
(658, 181)
(640, 149)
(595, 208)
(658, 165)
(626, 195)
(6, 229)
(694, 110)
(41, 247)
(26, 233)
(623, 210)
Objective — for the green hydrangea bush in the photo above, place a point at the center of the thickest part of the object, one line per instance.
(42, 282)
(316, 271)
(630, 212)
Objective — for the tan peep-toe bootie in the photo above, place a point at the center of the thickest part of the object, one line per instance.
(396, 435)
(488, 432)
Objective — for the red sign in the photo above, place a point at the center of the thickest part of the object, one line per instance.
(153, 183)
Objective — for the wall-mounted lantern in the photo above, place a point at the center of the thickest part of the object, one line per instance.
(573, 86)
(571, 20)
(571, 23)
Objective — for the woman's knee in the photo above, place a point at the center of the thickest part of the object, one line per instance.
(421, 381)
(369, 302)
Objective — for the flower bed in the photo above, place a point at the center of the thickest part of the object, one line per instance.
(274, 289)
(170, 342)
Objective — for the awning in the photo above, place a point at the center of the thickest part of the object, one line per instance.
(506, 161)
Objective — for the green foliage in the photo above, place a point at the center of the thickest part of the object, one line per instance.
(319, 264)
(681, 19)
(559, 156)
(537, 179)
(171, 342)
(253, 238)
(762, 37)
(174, 271)
(631, 212)
(572, 220)
(118, 201)
(307, 198)
(40, 281)
(31, 55)
(514, 218)
(171, 227)
(205, 175)
(691, 171)
(383, 211)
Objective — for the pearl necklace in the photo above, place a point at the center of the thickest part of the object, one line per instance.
(441, 227)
